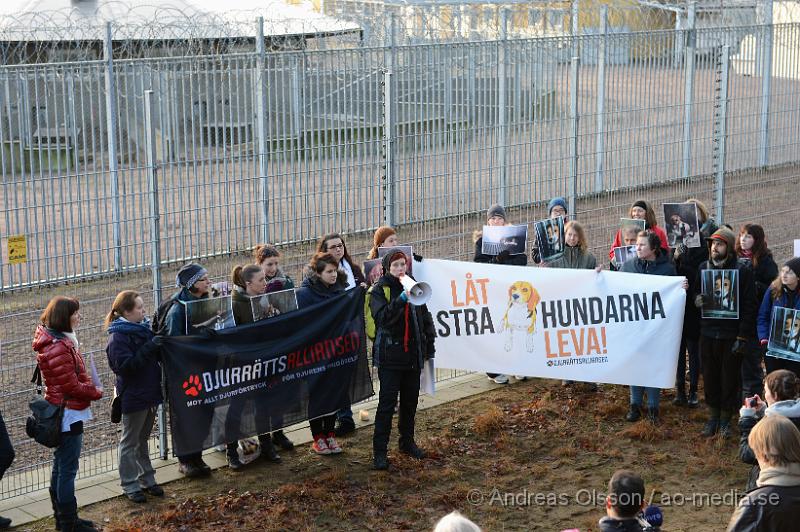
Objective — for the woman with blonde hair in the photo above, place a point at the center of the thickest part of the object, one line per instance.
(775, 503)
(576, 252)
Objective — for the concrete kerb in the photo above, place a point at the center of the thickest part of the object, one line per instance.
(24, 509)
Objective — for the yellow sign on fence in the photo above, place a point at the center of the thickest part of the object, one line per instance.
(17, 249)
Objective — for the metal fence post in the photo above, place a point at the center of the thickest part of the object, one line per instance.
(572, 185)
(502, 111)
(720, 133)
(766, 81)
(688, 88)
(575, 27)
(390, 191)
(601, 101)
(111, 134)
(155, 246)
(261, 129)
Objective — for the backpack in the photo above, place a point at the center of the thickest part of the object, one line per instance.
(159, 321)
(370, 328)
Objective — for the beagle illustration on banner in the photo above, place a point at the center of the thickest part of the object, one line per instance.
(520, 316)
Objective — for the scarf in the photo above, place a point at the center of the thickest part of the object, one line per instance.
(73, 338)
(788, 475)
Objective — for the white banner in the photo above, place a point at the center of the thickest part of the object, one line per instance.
(580, 325)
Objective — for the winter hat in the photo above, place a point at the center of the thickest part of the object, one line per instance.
(393, 255)
(557, 202)
(642, 204)
(382, 233)
(794, 265)
(189, 274)
(727, 236)
(496, 210)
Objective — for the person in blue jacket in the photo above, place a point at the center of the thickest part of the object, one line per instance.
(650, 260)
(324, 280)
(132, 357)
(783, 292)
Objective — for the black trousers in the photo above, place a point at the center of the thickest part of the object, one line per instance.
(322, 425)
(6, 450)
(394, 382)
(722, 373)
(752, 372)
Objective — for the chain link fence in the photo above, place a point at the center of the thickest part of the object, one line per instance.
(117, 169)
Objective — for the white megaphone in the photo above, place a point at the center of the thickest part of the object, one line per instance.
(419, 293)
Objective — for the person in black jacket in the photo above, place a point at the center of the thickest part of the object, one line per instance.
(625, 499)
(132, 357)
(687, 263)
(404, 339)
(6, 458)
(723, 342)
(780, 399)
(324, 280)
(775, 503)
(751, 246)
(496, 216)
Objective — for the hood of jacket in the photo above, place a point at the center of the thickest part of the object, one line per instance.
(314, 282)
(660, 266)
(788, 475)
(386, 263)
(44, 337)
(124, 326)
(789, 408)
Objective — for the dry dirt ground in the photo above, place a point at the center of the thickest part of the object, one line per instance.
(529, 456)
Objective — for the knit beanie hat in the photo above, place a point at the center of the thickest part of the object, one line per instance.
(727, 236)
(496, 210)
(382, 233)
(189, 274)
(557, 202)
(794, 265)
(642, 204)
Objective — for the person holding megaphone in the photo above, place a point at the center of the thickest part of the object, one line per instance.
(404, 339)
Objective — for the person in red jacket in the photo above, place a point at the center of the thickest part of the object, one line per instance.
(642, 210)
(67, 382)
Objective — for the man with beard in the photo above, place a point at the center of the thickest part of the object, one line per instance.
(723, 342)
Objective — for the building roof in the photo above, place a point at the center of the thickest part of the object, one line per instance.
(81, 20)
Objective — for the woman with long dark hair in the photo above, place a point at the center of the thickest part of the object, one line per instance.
(66, 383)
(751, 246)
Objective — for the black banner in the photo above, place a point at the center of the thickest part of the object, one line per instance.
(257, 378)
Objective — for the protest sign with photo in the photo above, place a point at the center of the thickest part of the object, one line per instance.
(409, 252)
(550, 238)
(784, 336)
(373, 270)
(273, 304)
(210, 313)
(682, 225)
(720, 288)
(499, 238)
(624, 253)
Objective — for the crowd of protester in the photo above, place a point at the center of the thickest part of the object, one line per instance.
(730, 354)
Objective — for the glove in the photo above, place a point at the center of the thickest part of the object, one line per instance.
(502, 257)
(701, 300)
(417, 258)
(740, 347)
(403, 297)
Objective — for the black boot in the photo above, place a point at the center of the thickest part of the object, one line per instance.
(344, 426)
(410, 448)
(268, 451)
(5, 522)
(680, 398)
(380, 462)
(57, 517)
(634, 413)
(280, 439)
(68, 514)
(652, 415)
(233, 457)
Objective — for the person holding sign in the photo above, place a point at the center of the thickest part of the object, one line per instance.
(751, 246)
(783, 292)
(325, 281)
(556, 208)
(404, 339)
(723, 340)
(67, 383)
(650, 260)
(248, 281)
(642, 210)
(333, 243)
(495, 217)
(132, 356)
(576, 253)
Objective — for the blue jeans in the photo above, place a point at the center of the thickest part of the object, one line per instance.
(653, 395)
(65, 466)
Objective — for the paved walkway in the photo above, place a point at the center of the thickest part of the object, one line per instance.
(33, 506)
